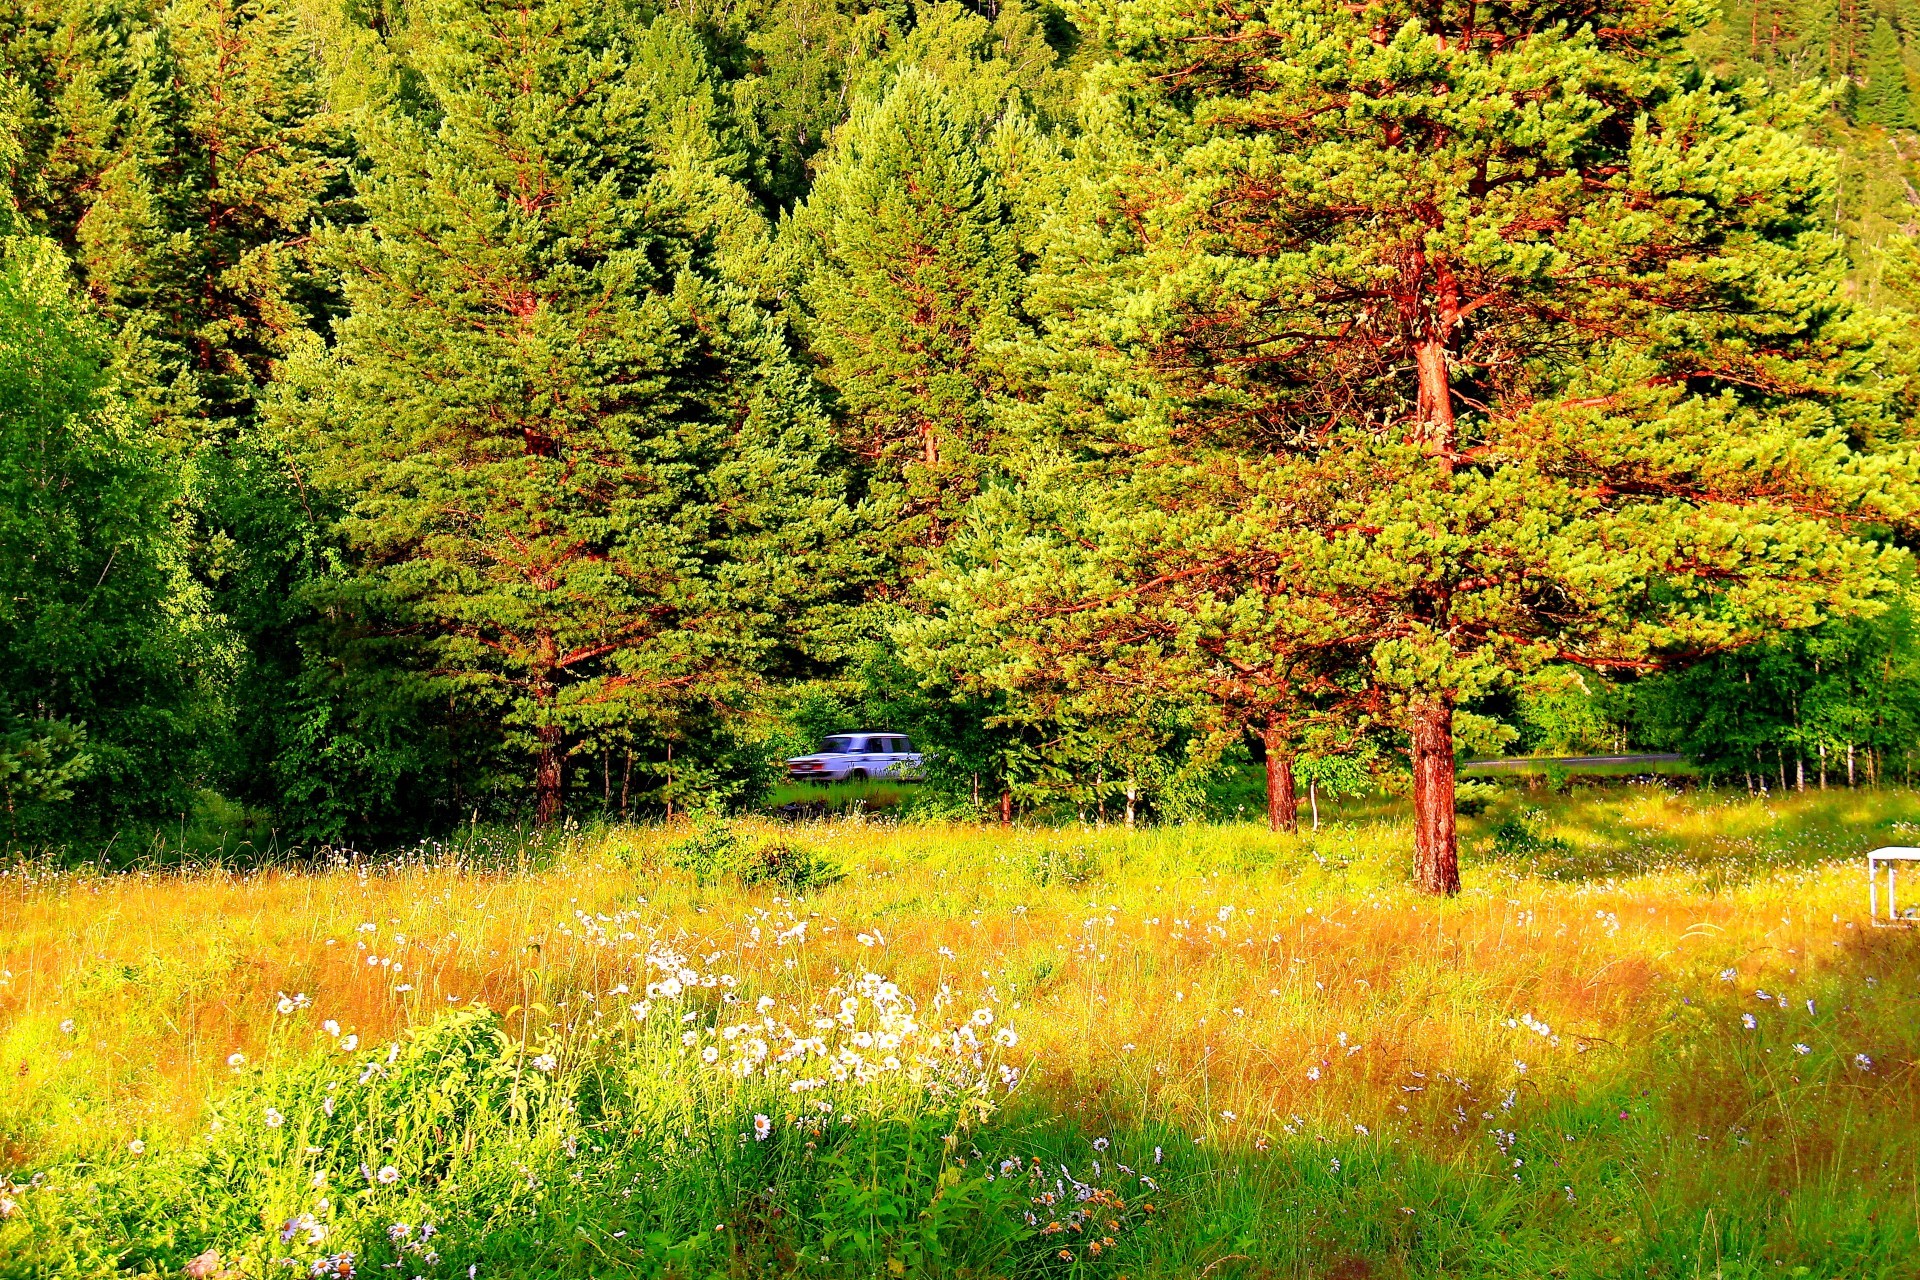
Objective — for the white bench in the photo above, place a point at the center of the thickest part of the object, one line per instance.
(1889, 858)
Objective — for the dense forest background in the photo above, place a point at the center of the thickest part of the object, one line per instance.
(714, 337)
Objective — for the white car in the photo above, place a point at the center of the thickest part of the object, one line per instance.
(856, 757)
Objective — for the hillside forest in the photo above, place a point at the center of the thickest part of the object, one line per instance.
(426, 412)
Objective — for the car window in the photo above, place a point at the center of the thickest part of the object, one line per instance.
(905, 745)
(838, 746)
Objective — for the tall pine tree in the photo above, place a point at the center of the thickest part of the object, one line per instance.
(572, 456)
(911, 288)
(1519, 337)
(1883, 99)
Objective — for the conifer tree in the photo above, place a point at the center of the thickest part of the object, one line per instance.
(182, 157)
(1518, 337)
(569, 452)
(1884, 99)
(911, 287)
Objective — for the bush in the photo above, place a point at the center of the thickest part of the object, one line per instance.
(718, 849)
(1472, 798)
(1521, 835)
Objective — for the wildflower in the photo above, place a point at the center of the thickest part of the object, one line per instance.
(399, 1231)
(764, 1003)
(1336, 1164)
(1803, 1049)
(709, 1055)
(762, 1126)
(1313, 1073)
(545, 1062)
(1360, 1129)
(350, 1044)
(286, 1005)
(1809, 1006)
(1100, 1144)
(1005, 1038)
(331, 1027)
(236, 1060)
(1863, 1062)
(1747, 1021)
(338, 1266)
(689, 1038)
(983, 1017)
(326, 1105)
(137, 1147)
(1228, 1116)
(66, 1027)
(387, 1176)
(274, 1118)
(1156, 1155)
(1728, 975)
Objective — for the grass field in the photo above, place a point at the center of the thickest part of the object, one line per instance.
(856, 1048)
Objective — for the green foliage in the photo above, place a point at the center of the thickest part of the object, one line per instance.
(1524, 834)
(909, 293)
(99, 626)
(1884, 99)
(718, 850)
(39, 764)
(1842, 700)
(589, 483)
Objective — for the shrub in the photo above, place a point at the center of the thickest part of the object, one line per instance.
(717, 850)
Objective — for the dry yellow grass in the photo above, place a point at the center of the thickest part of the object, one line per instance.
(1236, 983)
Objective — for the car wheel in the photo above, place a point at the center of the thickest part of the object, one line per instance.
(856, 775)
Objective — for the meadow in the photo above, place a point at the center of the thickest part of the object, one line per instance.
(1654, 1037)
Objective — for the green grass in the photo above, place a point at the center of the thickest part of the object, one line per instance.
(1233, 1054)
(841, 797)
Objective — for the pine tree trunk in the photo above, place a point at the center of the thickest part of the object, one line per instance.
(1006, 808)
(1133, 798)
(1436, 853)
(550, 755)
(1283, 802)
(1849, 766)
(548, 783)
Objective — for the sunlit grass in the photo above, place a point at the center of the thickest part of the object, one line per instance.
(1551, 1071)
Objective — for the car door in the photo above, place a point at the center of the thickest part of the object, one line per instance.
(905, 763)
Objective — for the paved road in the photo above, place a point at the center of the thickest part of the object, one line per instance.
(1570, 761)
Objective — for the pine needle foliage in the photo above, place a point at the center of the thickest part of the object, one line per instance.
(568, 445)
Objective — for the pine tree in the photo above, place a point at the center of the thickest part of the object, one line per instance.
(570, 453)
(912, 284)
(1519, 339)
(1884, 100)
(182, 157)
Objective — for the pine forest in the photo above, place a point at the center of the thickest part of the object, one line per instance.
(455, 411)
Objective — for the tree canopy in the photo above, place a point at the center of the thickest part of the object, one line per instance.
(564, 408)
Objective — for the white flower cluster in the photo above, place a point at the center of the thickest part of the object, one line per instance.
(863, 1033)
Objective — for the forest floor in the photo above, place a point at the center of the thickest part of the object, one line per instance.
(1654, 1036)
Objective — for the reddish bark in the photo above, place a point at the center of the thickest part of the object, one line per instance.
(549, 783)
(1006, 808)
(549, 778)
(1283, 803)
(1436, 853)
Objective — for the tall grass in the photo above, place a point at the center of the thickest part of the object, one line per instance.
(1298, 1063)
